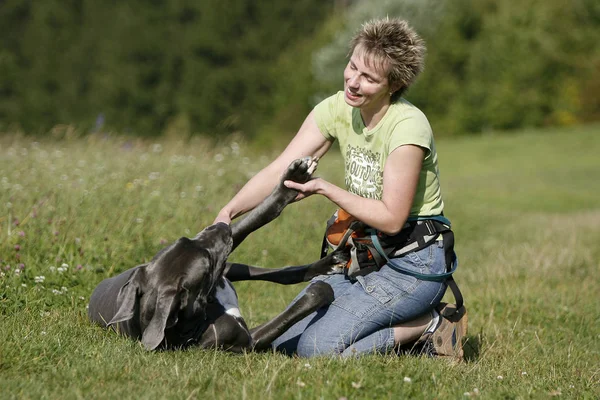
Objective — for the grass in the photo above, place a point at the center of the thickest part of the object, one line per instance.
(72, 212)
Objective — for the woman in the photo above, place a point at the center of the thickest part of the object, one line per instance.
(391, 175)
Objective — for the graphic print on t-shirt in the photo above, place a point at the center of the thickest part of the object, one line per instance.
(364, 175)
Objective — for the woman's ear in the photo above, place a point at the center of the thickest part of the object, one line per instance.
(394, 88)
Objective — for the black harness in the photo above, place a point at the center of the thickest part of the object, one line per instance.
(370, 249)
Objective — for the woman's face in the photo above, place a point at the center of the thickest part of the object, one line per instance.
(365, 83)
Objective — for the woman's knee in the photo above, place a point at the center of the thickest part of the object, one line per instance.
(325, 336)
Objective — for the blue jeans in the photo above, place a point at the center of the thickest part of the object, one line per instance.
(360, 319)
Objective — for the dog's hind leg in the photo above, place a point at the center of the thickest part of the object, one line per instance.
(331, 264)
(317, 295)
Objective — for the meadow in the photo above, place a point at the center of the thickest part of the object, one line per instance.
(525, 210)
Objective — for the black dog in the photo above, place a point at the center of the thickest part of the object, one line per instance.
(184, 297)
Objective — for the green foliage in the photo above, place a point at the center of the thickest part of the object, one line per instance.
(492, 64)
(257, 68)
(147, 67)
(524, 208)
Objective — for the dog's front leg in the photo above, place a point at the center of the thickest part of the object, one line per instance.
(299, 171)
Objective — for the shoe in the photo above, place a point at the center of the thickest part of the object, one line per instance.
(448, 337)
(446, 340)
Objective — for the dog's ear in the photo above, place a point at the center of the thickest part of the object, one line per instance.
(155, 331)
(128, 297)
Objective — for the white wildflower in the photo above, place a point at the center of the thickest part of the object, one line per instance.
(65, 265)
(60, 270)
(407, 379)
(499, 377)
(55, 291)
(39, 279)
(52, 268)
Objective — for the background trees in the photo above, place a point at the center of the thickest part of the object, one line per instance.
(222, 66)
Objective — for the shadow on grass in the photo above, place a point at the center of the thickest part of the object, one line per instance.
(471, 347)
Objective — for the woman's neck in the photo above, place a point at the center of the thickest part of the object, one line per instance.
(372, 117)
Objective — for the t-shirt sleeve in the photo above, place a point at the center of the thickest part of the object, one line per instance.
(413, 129)
(325, 114)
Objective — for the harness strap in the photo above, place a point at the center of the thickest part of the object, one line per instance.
(434, 228)
(369, 253)
(392, 263)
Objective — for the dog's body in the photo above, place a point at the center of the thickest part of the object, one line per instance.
(183, 296)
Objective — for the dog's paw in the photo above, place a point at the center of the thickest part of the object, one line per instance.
(300, 170)
(334, 262)
(320, 293)
(339, 261)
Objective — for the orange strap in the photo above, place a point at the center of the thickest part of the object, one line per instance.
(337, 230)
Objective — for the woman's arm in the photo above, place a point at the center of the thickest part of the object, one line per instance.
(400, 179)
(308, 142)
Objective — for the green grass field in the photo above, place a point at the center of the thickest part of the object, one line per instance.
(526, 213)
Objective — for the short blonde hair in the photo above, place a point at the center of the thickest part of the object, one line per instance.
(394, 44)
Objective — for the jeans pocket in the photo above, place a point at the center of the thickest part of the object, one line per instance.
(430, 260)
(378, 287)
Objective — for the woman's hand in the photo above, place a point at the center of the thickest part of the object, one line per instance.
(306, 189)
(223, 216)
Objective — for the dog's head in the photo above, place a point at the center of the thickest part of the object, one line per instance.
(177, 282)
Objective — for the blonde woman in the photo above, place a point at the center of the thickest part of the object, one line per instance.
(391, 177)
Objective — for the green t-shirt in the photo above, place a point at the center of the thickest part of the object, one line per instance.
(365, 151)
